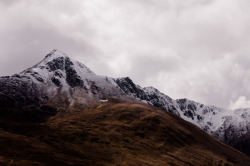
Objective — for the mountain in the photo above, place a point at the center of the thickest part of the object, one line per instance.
(147, 95)
(57, 80)
(229, 126)
(59, 84)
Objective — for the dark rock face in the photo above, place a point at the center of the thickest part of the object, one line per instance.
(56, 64)
(94, 89)
(200, 117)
(185, 105)
(51, 53)
(55, 78)
(71, 75)
(189, 114)
(188, 108)
(155, 98)
(37, 77)
(58, 74)
(56, 81)
(127, 85)
(162, 101)
(19, 91)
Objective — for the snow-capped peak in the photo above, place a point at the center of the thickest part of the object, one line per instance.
(58, 62)
(58, 80)
(55, 54)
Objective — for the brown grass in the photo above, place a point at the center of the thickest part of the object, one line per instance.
(112, 134)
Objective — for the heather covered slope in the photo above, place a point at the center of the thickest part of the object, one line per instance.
(111, 133)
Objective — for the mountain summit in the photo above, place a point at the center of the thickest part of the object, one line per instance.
(55, 79)
(60, 69)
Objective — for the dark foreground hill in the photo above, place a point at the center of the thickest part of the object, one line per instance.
(111, 133)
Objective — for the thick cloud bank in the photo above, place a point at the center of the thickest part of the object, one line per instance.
(198, 49)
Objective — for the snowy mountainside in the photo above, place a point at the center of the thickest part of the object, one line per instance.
(234, 124)
(234, 129)
(223, 124)
(147, 95)
(59, 80)
(191, 111)
(206, 117)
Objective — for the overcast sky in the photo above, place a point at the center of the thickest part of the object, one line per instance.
(196, 49)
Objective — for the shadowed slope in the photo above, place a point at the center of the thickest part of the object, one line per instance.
(113, 133)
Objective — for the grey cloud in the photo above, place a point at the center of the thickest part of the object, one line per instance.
(28, 46)
(147, 66)
(196, 49)
(28, 37)
(8, 3)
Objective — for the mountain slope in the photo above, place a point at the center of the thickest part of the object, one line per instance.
(148, 95)
(115, 133)
(229, 126)
(55, 79)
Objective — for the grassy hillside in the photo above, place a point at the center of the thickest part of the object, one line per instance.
(112, 133)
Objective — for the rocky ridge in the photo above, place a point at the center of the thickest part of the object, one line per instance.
(229, 126)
